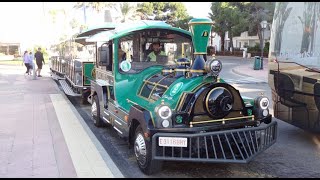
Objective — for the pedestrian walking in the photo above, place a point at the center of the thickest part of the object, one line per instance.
(26, 61)
(31, 58)
(39, 59)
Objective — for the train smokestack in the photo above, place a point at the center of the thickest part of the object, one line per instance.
(200, 30)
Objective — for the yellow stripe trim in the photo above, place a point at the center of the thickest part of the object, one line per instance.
(199, 71)
(203, 22)
(156, 84)
(219, 120)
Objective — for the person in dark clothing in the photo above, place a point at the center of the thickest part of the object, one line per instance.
(210, 53)
(39, 59)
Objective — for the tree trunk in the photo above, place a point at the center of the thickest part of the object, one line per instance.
(231, 41)
(222, 41)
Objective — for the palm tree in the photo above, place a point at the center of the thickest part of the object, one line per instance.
(54, 13)
(128, 12)
(100, 6)
(74, 24)
(96, 6)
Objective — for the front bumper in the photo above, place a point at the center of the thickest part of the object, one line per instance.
(227, 146)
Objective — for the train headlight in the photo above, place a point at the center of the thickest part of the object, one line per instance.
(164, 112)
(265, 112)
(165, 123)
(261, 102)
(213, 66)
(264, 103)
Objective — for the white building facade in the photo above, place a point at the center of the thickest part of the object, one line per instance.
(244, 40)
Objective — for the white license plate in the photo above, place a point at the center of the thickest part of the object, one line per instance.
(173, 141)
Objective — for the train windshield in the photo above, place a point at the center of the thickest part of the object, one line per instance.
(147, 48)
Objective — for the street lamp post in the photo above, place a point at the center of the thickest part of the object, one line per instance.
(263, 27)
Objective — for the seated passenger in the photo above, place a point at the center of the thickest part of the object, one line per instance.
(156, 51)
(121, 54)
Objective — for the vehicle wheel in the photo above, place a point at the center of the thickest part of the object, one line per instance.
(142, 150)
(84, 97)
(95, 112)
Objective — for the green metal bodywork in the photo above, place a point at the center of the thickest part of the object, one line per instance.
(200, 30)
(87, 73)
(127, 86)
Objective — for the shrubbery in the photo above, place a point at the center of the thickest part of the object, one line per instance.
(257, 48)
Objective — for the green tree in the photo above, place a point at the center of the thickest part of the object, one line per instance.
(218, 16)
(183, 23)
(257, 12)
(236, 21)
(174, 13)
(241, 16)
(54, 14)
(74, 23)
(100, 6)
(96, 6)
(128, 11)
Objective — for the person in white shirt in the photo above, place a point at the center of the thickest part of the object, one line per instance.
(31, 58)
(26, 61)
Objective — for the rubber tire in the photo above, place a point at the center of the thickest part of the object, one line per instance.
(84, 97)
(96, 119)
(151, 166)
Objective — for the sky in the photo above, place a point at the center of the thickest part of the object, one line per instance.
(26, 22)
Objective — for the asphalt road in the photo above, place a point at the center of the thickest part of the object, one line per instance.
(295, 154)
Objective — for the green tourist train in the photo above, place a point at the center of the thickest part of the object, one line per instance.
(173, 105)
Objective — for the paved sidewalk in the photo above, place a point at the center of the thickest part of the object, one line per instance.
(247, 70)
(41, 133)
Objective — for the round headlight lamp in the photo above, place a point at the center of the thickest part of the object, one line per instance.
(264, 103)
(213, 66)
(165, 123)
(265, 112)
(164, 112)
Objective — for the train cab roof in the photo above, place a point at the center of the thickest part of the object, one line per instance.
(81, 37)
(124, 29)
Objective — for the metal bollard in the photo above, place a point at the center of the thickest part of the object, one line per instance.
(34, 71)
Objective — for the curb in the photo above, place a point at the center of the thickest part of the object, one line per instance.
(239, 73)
(242, 74)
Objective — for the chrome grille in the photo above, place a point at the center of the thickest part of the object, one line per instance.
(233, 146)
